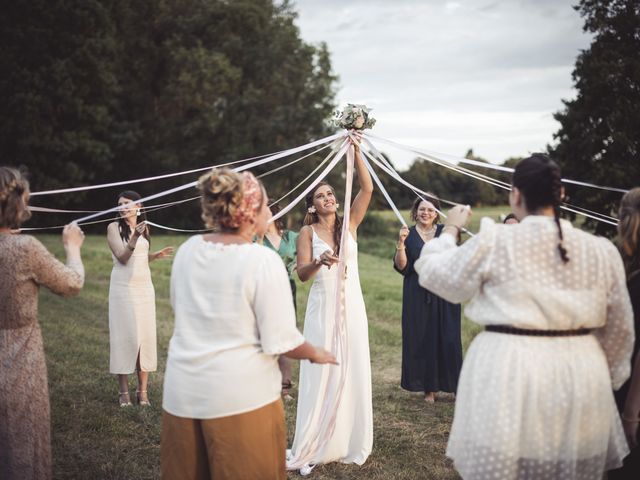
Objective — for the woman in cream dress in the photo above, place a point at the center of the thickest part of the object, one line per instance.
(535, 392)
(132, 308)
(334, 420)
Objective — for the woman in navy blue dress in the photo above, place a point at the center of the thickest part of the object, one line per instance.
(431, 344)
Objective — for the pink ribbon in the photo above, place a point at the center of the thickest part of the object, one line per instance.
(336, 335)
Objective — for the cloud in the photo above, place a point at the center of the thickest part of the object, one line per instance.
(485, 74)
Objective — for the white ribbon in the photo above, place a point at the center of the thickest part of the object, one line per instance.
(486, 165)
(194, 183)
(324, 173)
(283, 153)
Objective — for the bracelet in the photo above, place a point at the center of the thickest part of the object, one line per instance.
(400, 247)
(637, 420)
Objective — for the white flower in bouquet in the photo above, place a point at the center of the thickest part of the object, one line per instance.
(354, 117)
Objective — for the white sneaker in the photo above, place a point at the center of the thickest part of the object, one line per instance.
(306, 469)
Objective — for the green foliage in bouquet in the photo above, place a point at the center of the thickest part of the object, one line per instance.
(354, 117)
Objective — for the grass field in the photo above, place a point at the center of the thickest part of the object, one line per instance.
(94, 439)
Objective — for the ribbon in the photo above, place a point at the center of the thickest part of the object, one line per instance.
(487, 165)
(283, 153)
(194, 183)
(337, 337)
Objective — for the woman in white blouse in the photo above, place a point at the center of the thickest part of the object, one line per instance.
(223, 417)
(534, 398)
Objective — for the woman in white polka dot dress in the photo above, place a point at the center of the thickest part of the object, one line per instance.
(534, 397)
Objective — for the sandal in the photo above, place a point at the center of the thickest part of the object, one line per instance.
(142, 403)
(126, 402)
(286, 386)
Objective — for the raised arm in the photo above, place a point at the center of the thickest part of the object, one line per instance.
(122, 251)
(65, 280)
(363, 198)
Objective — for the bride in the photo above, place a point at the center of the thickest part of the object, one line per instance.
(334, 420)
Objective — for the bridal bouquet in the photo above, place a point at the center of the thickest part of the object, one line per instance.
(354, 117)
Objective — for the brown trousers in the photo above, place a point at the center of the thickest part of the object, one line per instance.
(248, 446)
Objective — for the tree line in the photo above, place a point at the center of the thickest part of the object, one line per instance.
(104, 90)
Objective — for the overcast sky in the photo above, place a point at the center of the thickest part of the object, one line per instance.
(452, 75)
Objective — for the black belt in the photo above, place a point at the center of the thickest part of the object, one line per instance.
(536, 333)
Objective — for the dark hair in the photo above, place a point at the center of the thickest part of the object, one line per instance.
(14, 209)
(430, 197)
(629, 231)
(509, 217)
(123, 226)
(539, 180)
(275, 209)
(311, 217)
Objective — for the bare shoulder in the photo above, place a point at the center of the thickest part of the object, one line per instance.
(112, 226)
(306, 232)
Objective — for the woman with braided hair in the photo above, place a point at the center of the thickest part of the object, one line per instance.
(535, 392)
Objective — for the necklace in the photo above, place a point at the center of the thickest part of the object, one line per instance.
(426, 232)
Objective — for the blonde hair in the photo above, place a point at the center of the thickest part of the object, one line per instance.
(629, 230)
(222, 199)
(14, 197)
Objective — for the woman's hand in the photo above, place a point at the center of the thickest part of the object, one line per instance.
(457, 218)
(402, 236)
(165, 252)
(72, 236)
(139, 230)
(328, 258)
(321, 356)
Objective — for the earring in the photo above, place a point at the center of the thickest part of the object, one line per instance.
(138, 212)
(311, 209)
(337, 206)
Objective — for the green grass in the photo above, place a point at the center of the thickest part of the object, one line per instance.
(94, 439)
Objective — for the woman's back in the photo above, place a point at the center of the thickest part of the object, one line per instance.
(520, 279)
(233, 313)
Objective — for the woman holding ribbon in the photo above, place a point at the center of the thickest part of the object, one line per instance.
(535, 393)
(431, 344)
(223, 416)
(334, 420)
(25, 266)
(132, 301)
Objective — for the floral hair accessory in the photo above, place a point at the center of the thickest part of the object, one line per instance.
(354, 117)
(251, 198)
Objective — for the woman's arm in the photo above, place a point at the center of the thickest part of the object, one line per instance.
(616, 336)
(314, 354)
(363, 198)
(165, 252)
(307, 266)
(122, 251)
(65, 280)
(400, 258)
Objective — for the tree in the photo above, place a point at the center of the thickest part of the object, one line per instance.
(599, 137)
(103, 90)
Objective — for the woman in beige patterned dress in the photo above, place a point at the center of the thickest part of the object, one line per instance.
(132, 302)
(25, 265)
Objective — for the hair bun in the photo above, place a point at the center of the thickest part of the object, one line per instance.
(221, 191)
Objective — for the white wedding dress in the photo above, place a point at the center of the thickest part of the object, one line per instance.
(334, 420)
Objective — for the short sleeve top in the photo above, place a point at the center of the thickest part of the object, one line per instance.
(233, 316)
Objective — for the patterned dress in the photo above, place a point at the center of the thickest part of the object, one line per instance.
(536, 406)
(25, 265)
